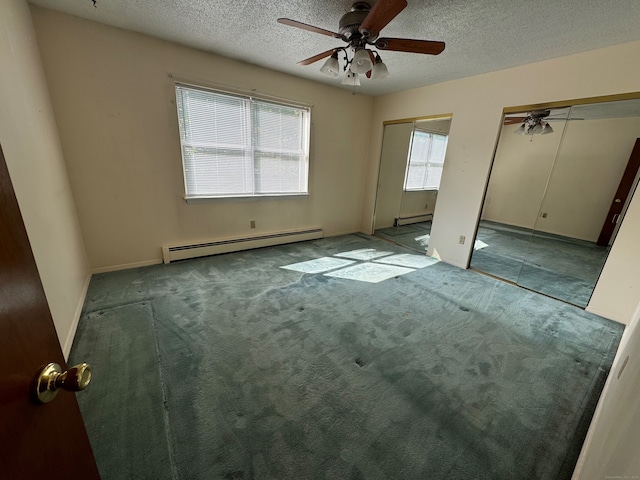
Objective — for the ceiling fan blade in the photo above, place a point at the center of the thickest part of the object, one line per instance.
(412, 46)
(311, 28)
(514, 120)
(380, 15)
(561, 119)
(315, 58)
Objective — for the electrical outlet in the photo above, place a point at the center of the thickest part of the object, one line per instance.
(252, 223)
(462, 239)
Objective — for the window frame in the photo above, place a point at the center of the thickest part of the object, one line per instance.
(249, 118)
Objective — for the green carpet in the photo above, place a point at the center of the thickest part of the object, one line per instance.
(123, 409)
(252, 371)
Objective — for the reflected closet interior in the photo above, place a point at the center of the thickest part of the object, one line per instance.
(411, 164)
(560, 183)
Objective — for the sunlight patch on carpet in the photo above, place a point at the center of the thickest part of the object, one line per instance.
(319, 265)
(479, 244)
(369, 272)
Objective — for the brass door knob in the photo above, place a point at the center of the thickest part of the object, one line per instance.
(51, 379)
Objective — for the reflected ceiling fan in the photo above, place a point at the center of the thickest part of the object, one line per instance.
(360, 28)
(536, 122)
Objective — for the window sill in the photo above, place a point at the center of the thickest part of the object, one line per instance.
(236, 198)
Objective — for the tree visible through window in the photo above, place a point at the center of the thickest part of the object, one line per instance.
(426, 160)
(235, 146)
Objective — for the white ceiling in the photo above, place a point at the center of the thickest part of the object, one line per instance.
(481, 35)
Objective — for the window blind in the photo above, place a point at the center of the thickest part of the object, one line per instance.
(234, 145)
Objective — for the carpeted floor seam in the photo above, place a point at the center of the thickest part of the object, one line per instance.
(165, 400)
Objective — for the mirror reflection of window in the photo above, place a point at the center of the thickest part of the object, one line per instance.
(426, 160)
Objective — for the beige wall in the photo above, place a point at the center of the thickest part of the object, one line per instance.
(590, 164)
(422, 202)
(476, 104)
(115, 108)
(582, 178)
(611, 447)
(519, 177)
(32, 150)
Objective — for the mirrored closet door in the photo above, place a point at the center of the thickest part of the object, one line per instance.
(560, 182)
(411, 163)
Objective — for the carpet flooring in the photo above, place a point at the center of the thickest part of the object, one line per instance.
(232, 367)
(561, 267)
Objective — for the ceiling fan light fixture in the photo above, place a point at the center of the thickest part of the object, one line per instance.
(546, 130)
(379, 70)
(351, 78)
(331, 67)
(521, 130)
(361, 62)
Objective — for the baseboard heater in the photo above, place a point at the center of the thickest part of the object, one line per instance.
(413, 219)
(171, 253)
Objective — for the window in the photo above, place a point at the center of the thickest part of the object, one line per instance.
(426, 160)
(238, 146)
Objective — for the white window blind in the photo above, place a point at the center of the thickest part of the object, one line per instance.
(426, 161)
(235, 146)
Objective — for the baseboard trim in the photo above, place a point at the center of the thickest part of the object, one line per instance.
(68, 343)
(146, 263)
(126, 266)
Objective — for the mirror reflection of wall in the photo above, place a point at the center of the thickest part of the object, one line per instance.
(411, 164)
(553, 201)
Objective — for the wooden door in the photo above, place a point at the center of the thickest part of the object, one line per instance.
(624, 189)
(36, 441)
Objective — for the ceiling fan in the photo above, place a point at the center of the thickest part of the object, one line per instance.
(360, 28)
(536, 121)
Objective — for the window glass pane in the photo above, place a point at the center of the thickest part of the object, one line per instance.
(213, 119)
(434, 174)
(221, 170)
(278, 174)
(438, 149)
(278, 128)
(420, 147)
(415, 177)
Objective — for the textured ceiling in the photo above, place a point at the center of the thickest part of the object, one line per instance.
(481, 35)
